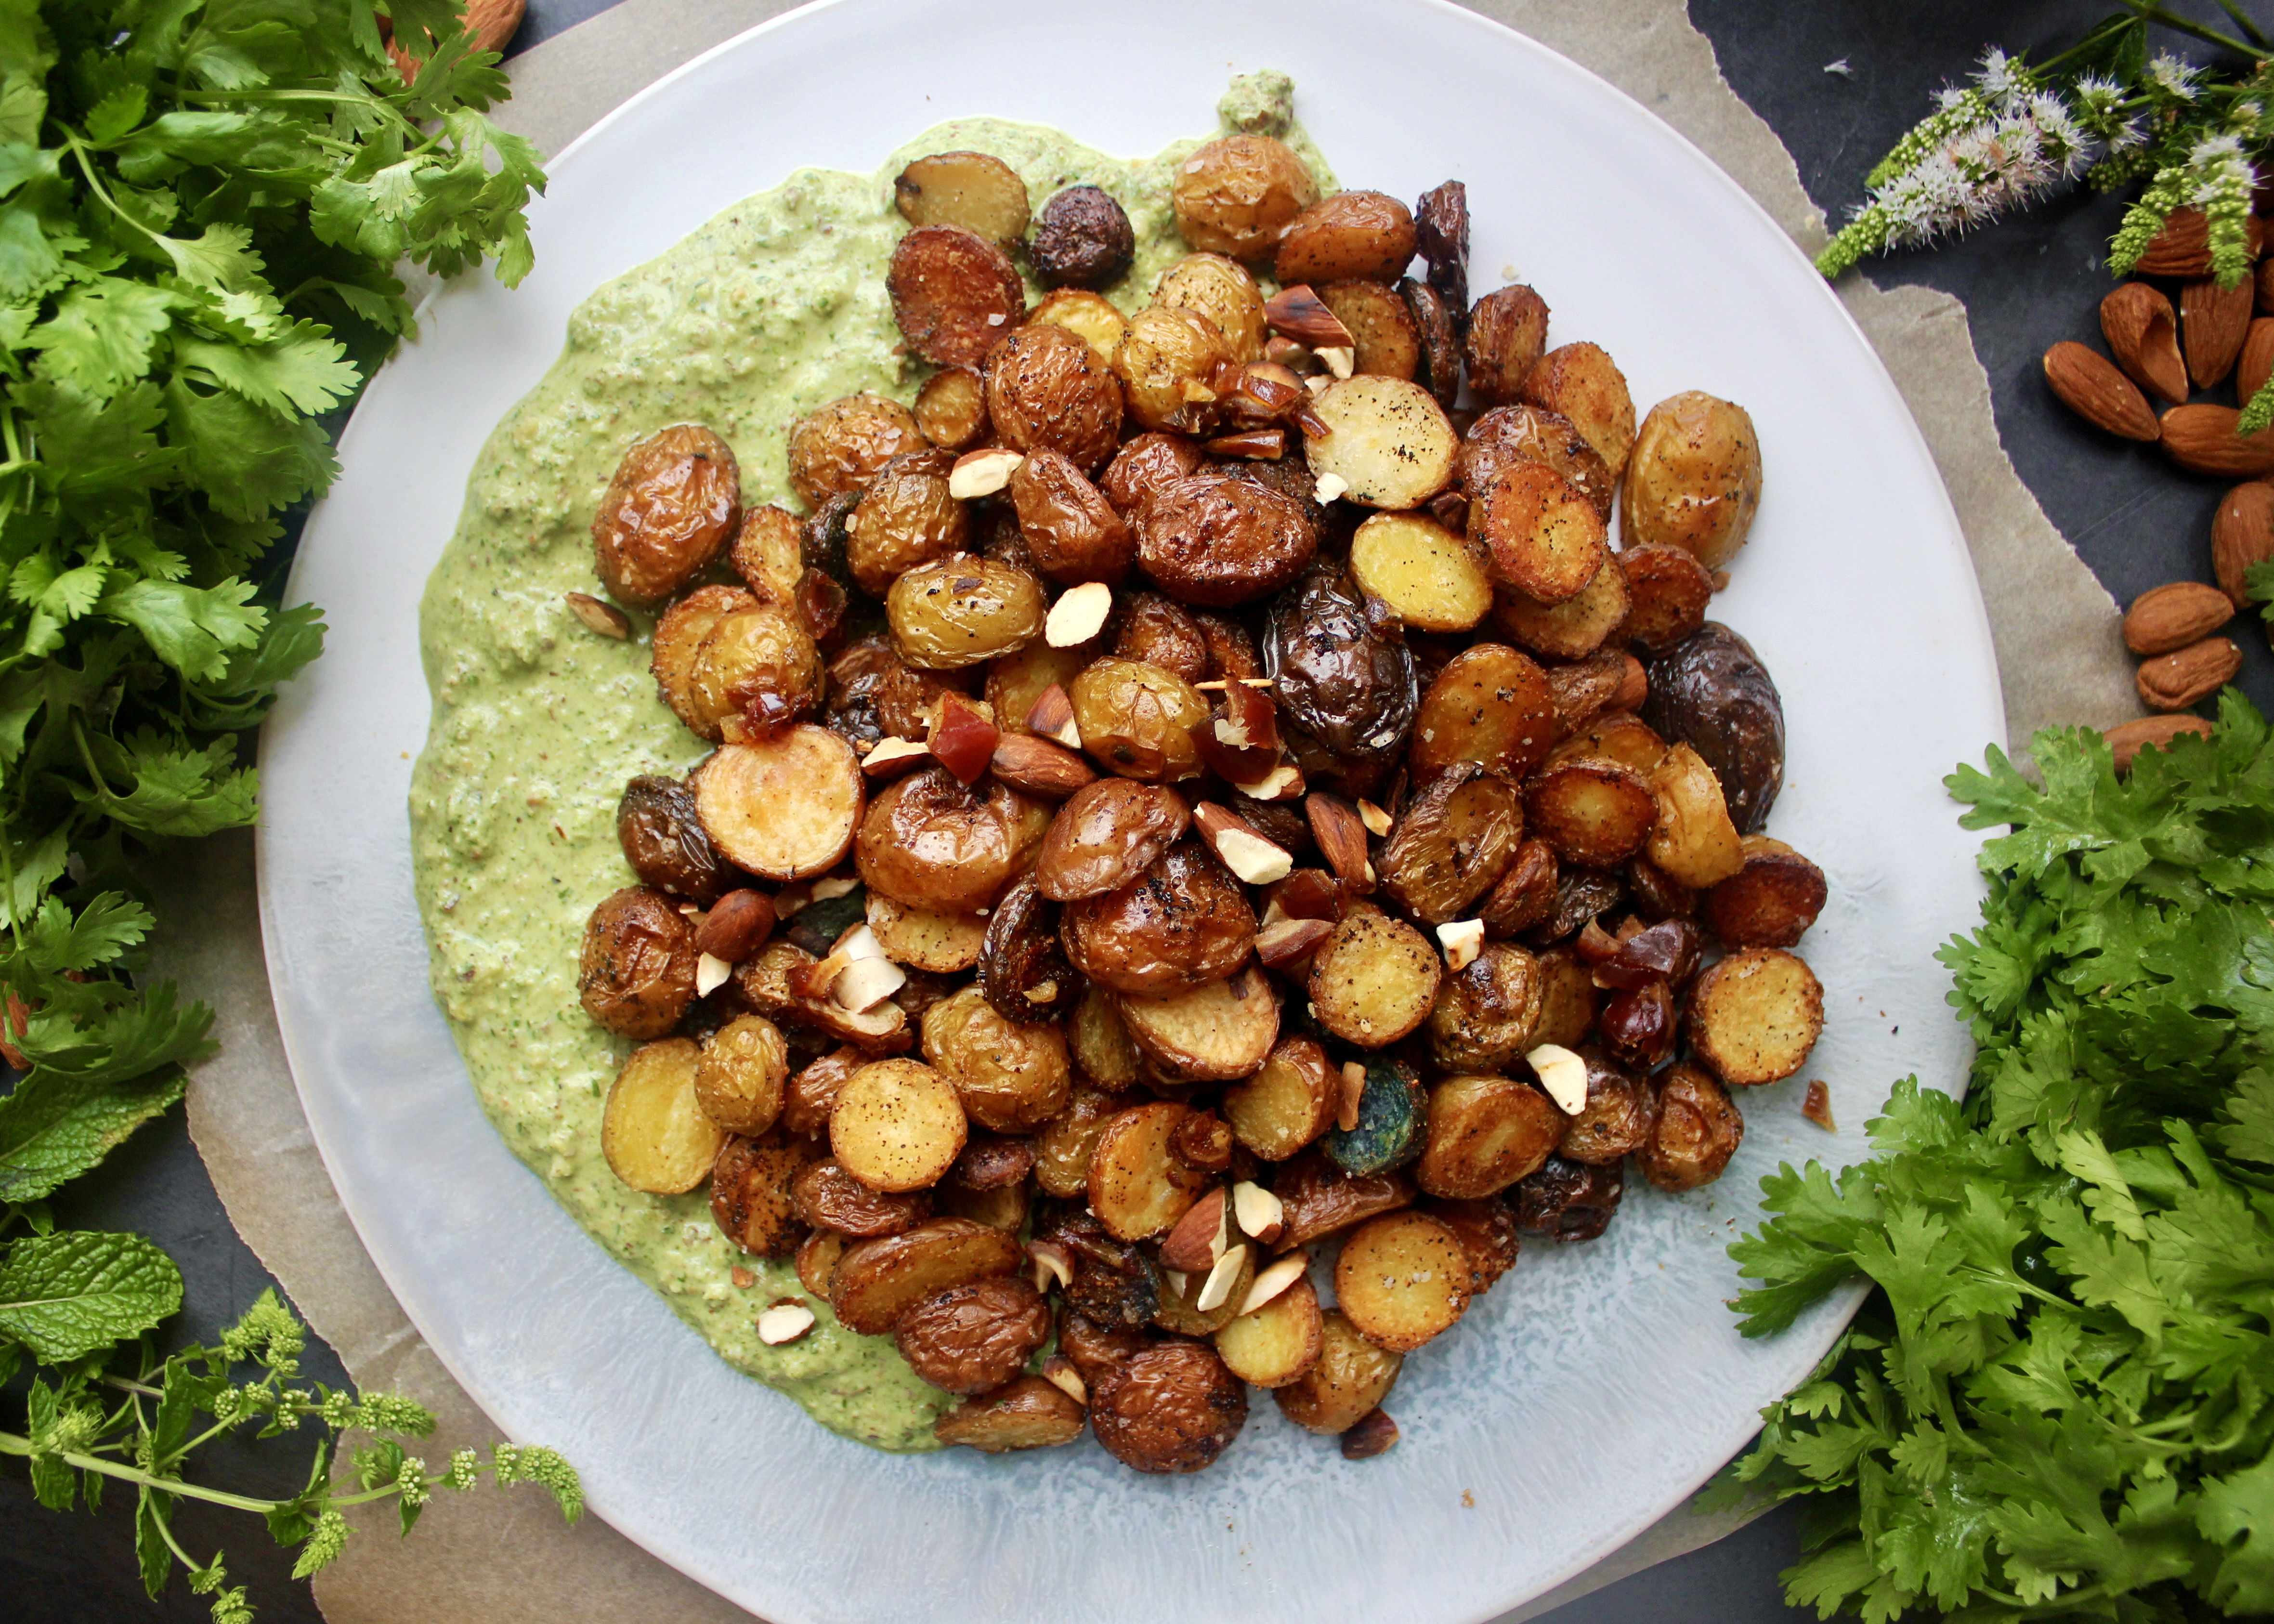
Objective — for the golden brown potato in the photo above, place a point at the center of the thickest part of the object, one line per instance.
(951, 409)
(1402, 1280)
(1451, 844)
(1387, 342)
(830, 1198)
(924, 939)
(1694, 841)
(1614, 735)
(1083, 240)
(1100, 1043)
(1698, 1129)
(751, 1195)
(1017, 680)
(1165, 360)
(1582, 382)
(1422, 570)
(1217, 1032)
(1485, 1133)
(1046, 389)
(1182, 923)
(1071, 531)
(1220, 290)
(757, 659)
(1090, 317)
(741, 1077)
(929, 842)
(1566, 999)
(1595, 813)
(961, 610)
(1065, 1144)
(971, 1338)
(1770, 902)
(1506, 336)
(1530, 435)
(1489, 1233)
(1668, 593)
(1218, 539)
(1485, 1010)
(676, 500)
(837, 448)
(1351, 1376)
(1490, 705)
(811, 1093)
(1585, 688)
(905, 517)
(954, 294)
(1694, 479)
(1278, 1342)
(974, 190)
(1156, 630)
(1387, 442)
(1289, 1102)
(1538, 535)
(1318, 1198)
(1010, 1076)
(767, 553)
(897, 1125)
(1108, 832)
(1236, 195)
(1569, 630)
(1349, 237)
(1374, 979)
(1617, 1118)
(637, 971)
(1027, 1414)
(1145, 466)
(1003, 1208)
(1170, 1407)
(1755, 1015)
(878, 1281)
(654, 1135)
(1137, 720)
(1138, 1186)
(1526, 894)
(783, 809)
(817, 1261)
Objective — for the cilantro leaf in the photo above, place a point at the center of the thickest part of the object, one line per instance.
(192, 628)
(65, 1296)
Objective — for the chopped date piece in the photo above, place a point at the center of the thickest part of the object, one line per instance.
(1667, 951)
(1441, 233)
(1569, 1200)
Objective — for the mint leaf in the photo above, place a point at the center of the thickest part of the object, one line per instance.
(64, 1296)
(52, 1129)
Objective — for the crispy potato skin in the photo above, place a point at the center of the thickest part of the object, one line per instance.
(1083, 240)
(1144, 467)
(1071, 532)
(1170, 1407)
(1235, 195)
(1525, 434)
(946, 282)
(1698, 1129)
(1349, 237)
(829, 1197)
(1570, 1201)
(1216, 540)
(768, 552)
(1156, 630)
(1164, 351)
(1136, 721)
(930, 843)
(741, 1077)
(751, 1195)
(757, 656)
(905, 517)
(681, 631)
(1488, 1231)
(664, 841)
(1342, 673)
(1023, 971)
(1711, 692)
(971, 1339)
(1694, 477)
(1582, 382)
(1389, 343)
(675, 502)
(1667, 591)
(1029, 1413)
(637, 967)
(1618, 1119)
(1011, 1076)
(1321, 1199)
(1485, 1133)
(1220, 290)
(1770, 902)
(837, 448)
(1485, 1010)
(1490, 704)
(1180, 924)
(878, 1281)
(963, 610)
(1506, 336)
(1572, 629)
(1107, 833)
(1351, 1377)
(1046, 389)
(1451, 844)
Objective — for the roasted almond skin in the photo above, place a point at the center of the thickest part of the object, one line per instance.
(2173, 615)
(2212, 322)
(2202, 439)
(2188, 676)
(2129, 738)
(1039, 767)
(2182, 248)
(2255, 365)
(2089, 385)
(2144, 336)
(2241, 535)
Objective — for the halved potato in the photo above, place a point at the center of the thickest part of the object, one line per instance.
(652, 1128)
(878, 1281)
(925, 940)
(1089, 316)
(1422, 570)
(1317, 1198)
(1755, 1015)
(1348, 235)
(1351, 1376)
(951, 408)
(680, 632)
(1388, 339)
(1288, 1103)
(1138, 1186)
(817, 1261)
(1491, 705)
(1485, 1133)
(1027, 1414)
(1065, 1143)
(1595, 813)
(768, 555)
(1277, 1343)
(1582, 381)
(753, 1198)
(954, 294)
(784, 808)
(1668, 593)
(1694, 840)
(1485, 1010)
(1574, 627)
(974, 190)
(1401, 1278)
(1770, 902)
(1213, 1033)
(1374, 979)
(1100, 1043)
(1540, 535)
(1388, 442)
(1566, 999)
(897, 1125)
(1614, 735)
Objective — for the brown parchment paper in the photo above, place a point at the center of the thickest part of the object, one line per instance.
(507, 1558)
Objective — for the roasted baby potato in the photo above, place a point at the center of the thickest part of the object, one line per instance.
(951, 409)
(1138, 1186)
(1351, 1376)
(905, 517)
(1026, 1414)
(811, 1093)
(1488, 1233)
(1010, 1076)
(1017, 680)
(1402, 1280)
(664, 841)
(1452, 842)
(652, 1132)
(1100, 1043)
(1387, 442)
(954, 294)
(1165, 361)
(1694, 479)
(1570, 1201)
(1275, 1344)
(1422, 571)
(929, 842)
(637, 973)
(1526, 895)
(1566, 999)
(741, 1074)
(961, 610)
(783, 809)
(1490, 705)
(1236, 195)
(1217, 1032)
(829, 1197)
(1071, 530)
(1485, 1010)
(1318, 1198)
(1770, 902)
(1569, 630)
(768, 554)
(876, 1282)
(1387, 342)
(1694, 841)
(1539, 534)
(1288, 1103)
(1083, 240)
(1220, 290)
(1595, 813)
(1183, 922)
(1170, 1407)
(1340, 671)
(1585, 688)
(1755, 1015)
(1089, 316)
(837, 448)
(1711, 692)
(1137, 720)
(757, 661)
(1439, 368)
(1065, 1144)
(1530, 435)
(974, 190)
(1374, 979)
(1485, 1133)
(1391, 1122)
(751, 1195)
(1156, 630)
(1144, 467)
(675, 502)
(971, 1338)
(1667, 590)
(1349, 237)
(897, 1125)
(1698, 1129)
(1046, 389)
(1581, 382)
(1023, 969)
(1617, 1118)
(1217, 540)
(923, 938)
(1107, 833)
(1507, 334)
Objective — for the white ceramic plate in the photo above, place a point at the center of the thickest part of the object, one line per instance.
(1591, 1391)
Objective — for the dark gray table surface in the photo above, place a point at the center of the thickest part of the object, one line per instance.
(2136, 520)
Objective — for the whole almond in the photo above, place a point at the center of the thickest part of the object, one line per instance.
(1037, 766)
(2241, 534)
(2201, 438)
(2182, 248)
(2190, 675)
(2144, 336)
(2213, 321)
(2173, 615)
(2129, 740)
(2089, 386)
(2255, 363)
(736, 925)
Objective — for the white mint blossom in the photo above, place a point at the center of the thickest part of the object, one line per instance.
(2175, 79)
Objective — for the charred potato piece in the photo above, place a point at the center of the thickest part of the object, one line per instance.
(1278, 1342)
(1770, 902)
(1698, 1129)
(1114, 1286)
(1614, 735)
(1485, 1010)
(1340, 671)
(1402, 1280)
(974, 190)
(1017, 680)
(1487, 1232)
(1349, 237)
(1387, 344)
(784, 808)
(1288, 1103)
(1046, 389)
(905, 517)
(758, 660)
(951, 409)
(1490, 705)
(1106, 834)
(1217, 540)
(1217, 1032)
(681, 632)
(636, 974)
(816, 1261)
(769, 554)
(1090, 317)
(1374, 979)
(653, 1133)
(1569, 630)
(1530, 435)
(1024, 974)
(830, 1198)
(1100, 1043)
(1220, 290)
(1139, 1187)
(1439, 339)
(1071, 530)
(1694, 479)
(1182, 923)
(1137, 720)
(874, 694)
(1387, 442)
(1566, 999)
(1351, 1377)
(1570, 1201)
(837, 448)
(1422, 570)
(1391, 1124)
(1581, 894)
(1695, 842)
(954, 294)
(1159, 631)
(1615, 1119)
(1318, 1198)
(751, 1198)
(1009, 1076)
(674, 502)
(1027, 1414)
(1065, 1143)
(1526, 896)
(1083, 240)
(1485, 1133)
(1231, 653)
(1595, 813)
(876, 1282)
(741, 1074)
(664, 842)
(961, 610)
(1581, 382)
(1755, 1015)
(1507, 334)
(1711, 692)
(897, 1125)
(1441, 233)
(1165, 360)
(812, 1091)
(1667, 590)
(971, 1338)
(1539, 534)
(1144, 467)
(924, 939)
(1236, 195)
(1452, 844)
(1170, 1407)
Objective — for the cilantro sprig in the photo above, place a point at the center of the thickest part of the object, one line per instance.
(2059, 1400)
